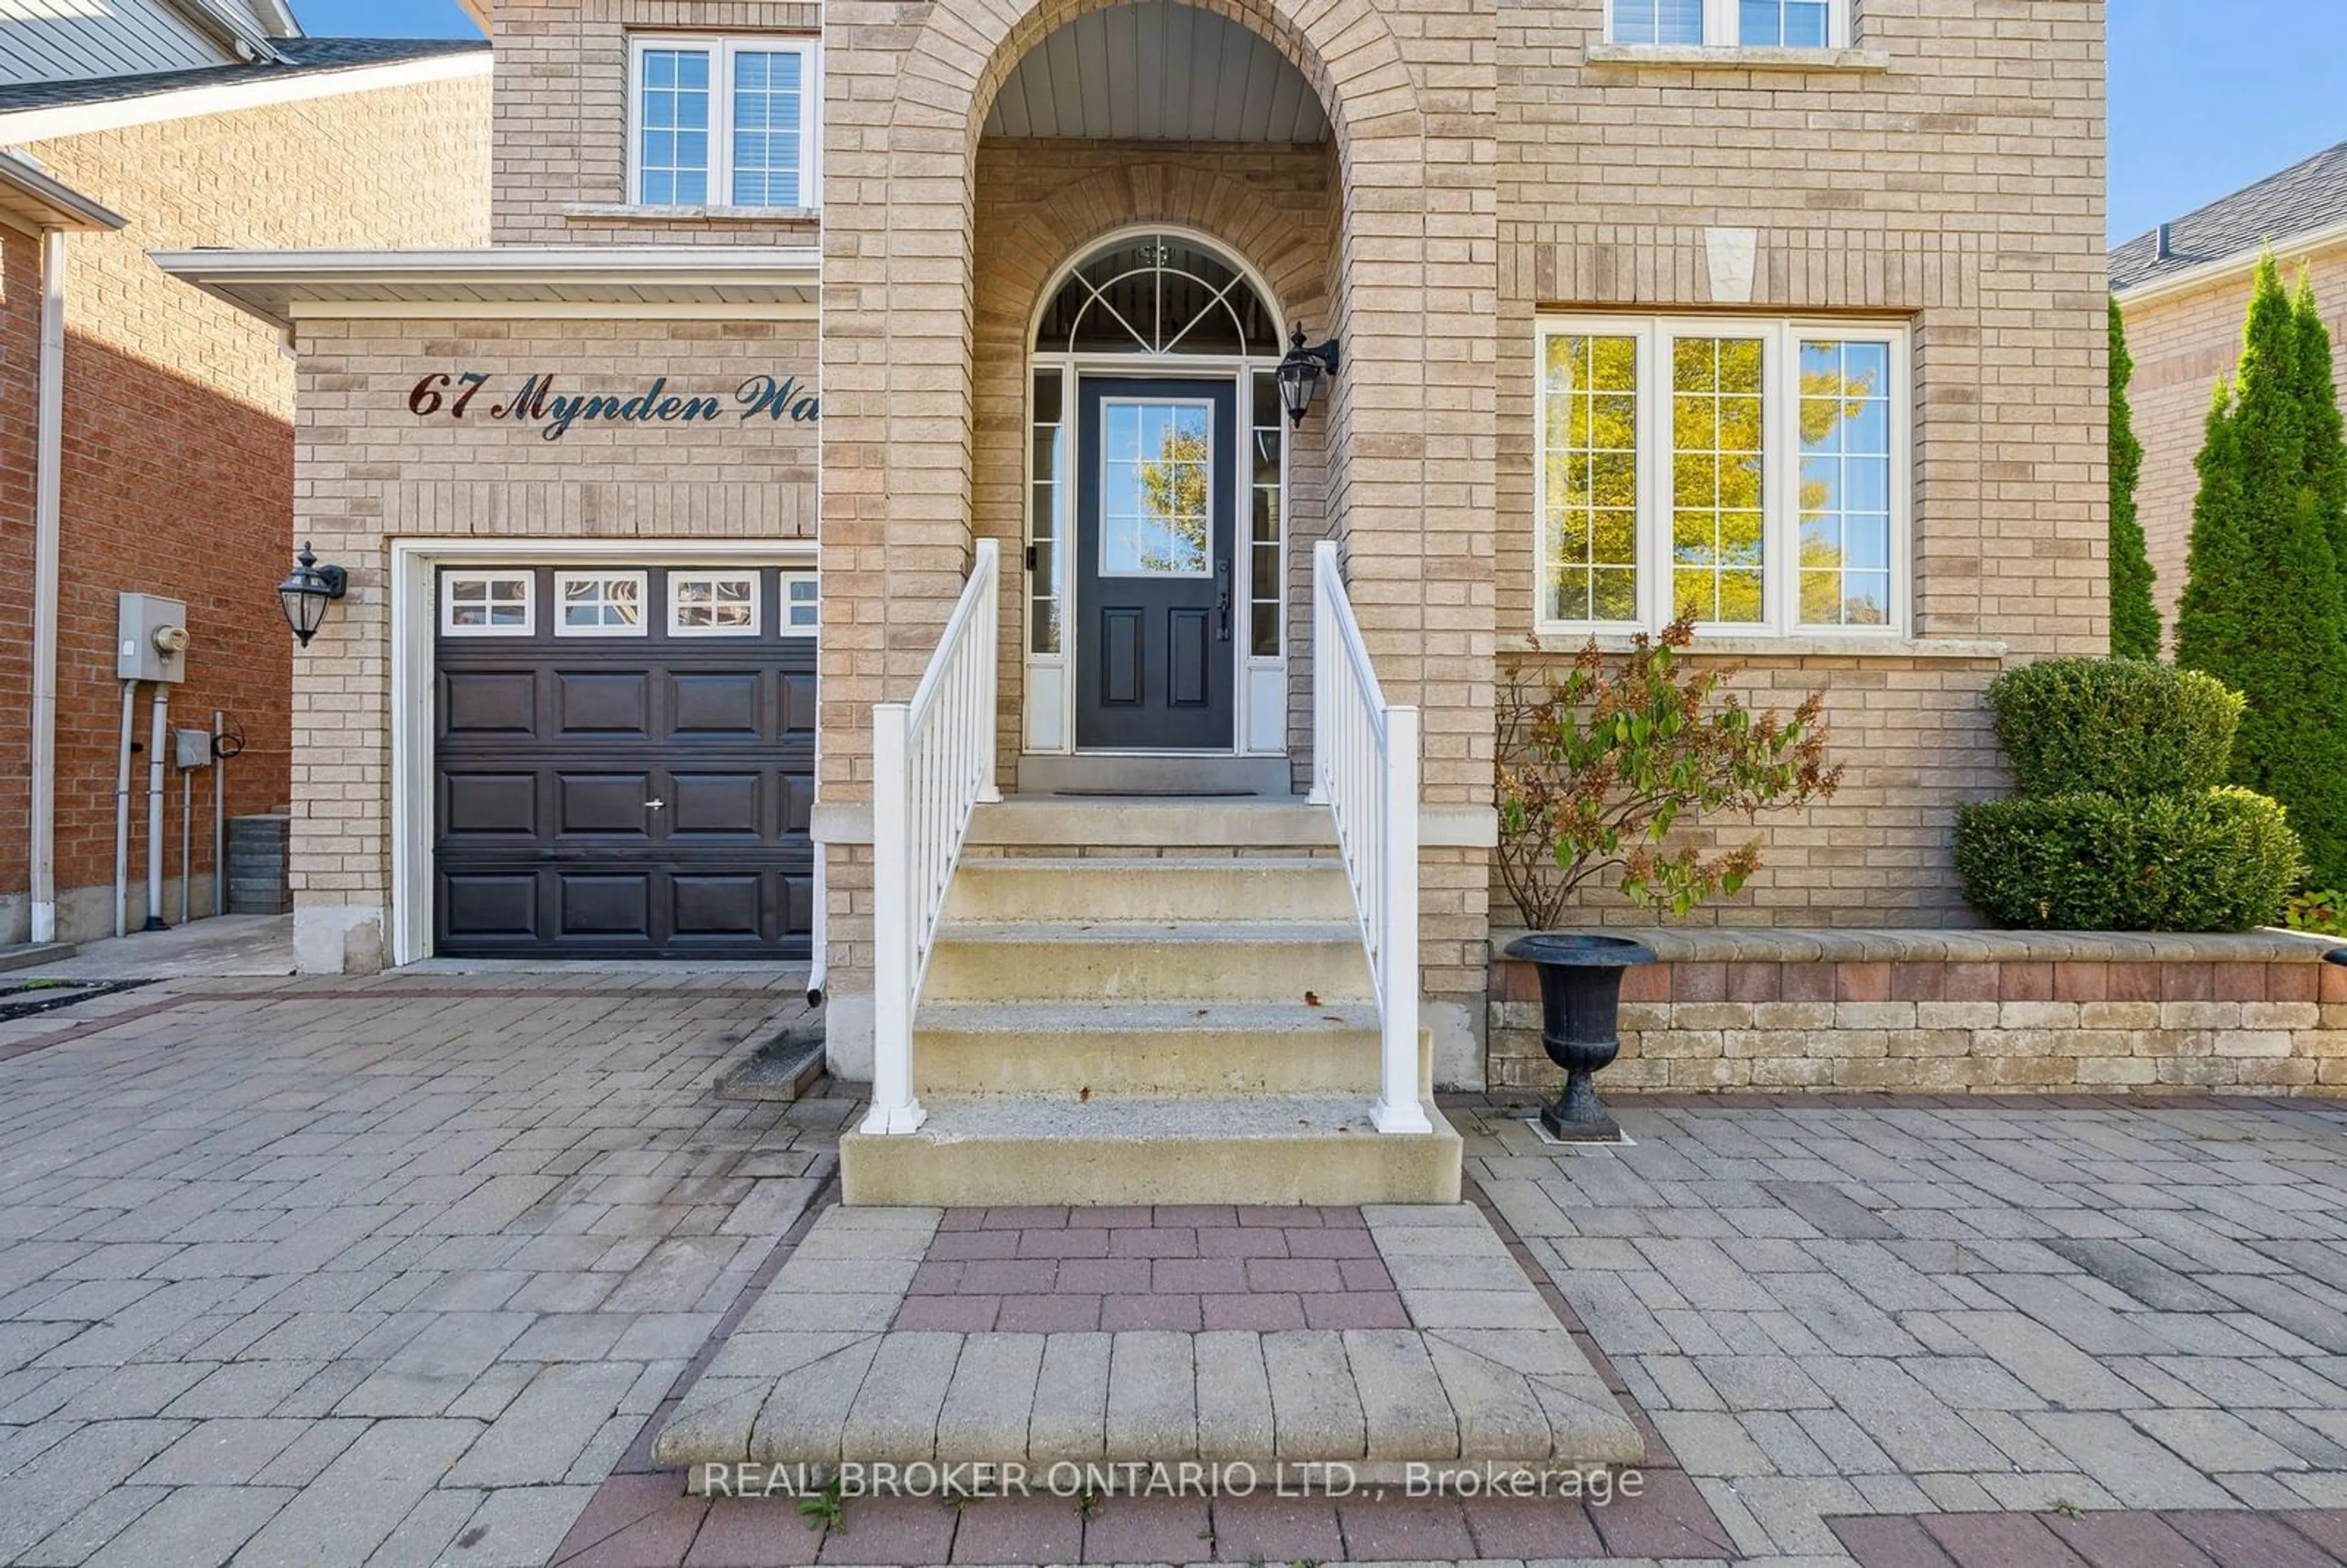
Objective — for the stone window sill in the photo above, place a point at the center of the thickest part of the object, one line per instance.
(1571, 642)
(593, 213)
(1683, 56)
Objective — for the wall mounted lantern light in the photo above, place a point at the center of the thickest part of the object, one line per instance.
(308, 592)
(1300, 374)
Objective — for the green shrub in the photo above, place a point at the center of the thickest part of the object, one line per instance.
(2263, 610)
(2214, 860)
(2126, 727)
(2135, 618)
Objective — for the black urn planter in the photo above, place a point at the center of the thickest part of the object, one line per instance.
(1580, 1001)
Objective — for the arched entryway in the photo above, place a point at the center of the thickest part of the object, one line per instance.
(1156, 483)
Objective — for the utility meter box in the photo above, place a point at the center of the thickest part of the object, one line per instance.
(151, 643)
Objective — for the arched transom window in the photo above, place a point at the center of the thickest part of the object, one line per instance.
(1157, 294)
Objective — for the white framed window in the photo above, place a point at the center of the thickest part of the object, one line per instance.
(723, 122)
(599, 603)
(1730, 23)
(1754, 473)
(489, 603)
(802, 604)
(712, 604)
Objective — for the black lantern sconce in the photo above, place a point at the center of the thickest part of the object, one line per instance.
(308, 592)
(1300, 374)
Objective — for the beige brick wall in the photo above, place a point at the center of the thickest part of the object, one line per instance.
(2182, 342)
(402, 166)
(560, 155)
(1961, 190)
(372, 472)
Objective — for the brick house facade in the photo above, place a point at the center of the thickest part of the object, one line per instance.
(1479, 202)
(177, 473)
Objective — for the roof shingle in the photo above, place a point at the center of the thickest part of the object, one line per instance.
(2299, 200)
(302, 56)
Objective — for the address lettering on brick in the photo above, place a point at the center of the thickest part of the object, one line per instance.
(540, 400)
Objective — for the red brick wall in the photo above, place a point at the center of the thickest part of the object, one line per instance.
(169, 489)
(20, 333)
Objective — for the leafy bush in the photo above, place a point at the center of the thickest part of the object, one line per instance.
(2323, 911)
(2124, 727)
(2214, 860)
(1597, 763)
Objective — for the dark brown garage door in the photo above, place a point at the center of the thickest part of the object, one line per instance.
(625, 762)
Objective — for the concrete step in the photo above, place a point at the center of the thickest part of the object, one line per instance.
(1307, 962)
(1236, 887)
(1483, 1380)
(1287, 1149)
(1075, 1050)
(1155, 825)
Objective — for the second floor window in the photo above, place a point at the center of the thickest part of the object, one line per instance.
(722, 122)
(1729, 24)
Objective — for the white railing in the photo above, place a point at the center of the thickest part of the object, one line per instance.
(1365, 769)
(932, 764)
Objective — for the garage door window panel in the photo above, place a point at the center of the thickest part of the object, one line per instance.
(489, 603)
(598, 604)
(712, 604)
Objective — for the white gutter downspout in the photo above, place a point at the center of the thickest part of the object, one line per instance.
(48, 460)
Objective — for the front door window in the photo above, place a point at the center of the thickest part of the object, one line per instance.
(1155, 480)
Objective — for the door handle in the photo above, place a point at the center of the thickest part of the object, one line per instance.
(1223, 601)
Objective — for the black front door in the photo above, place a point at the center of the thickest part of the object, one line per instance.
(1153, 524)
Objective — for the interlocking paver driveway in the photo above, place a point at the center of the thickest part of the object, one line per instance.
(1842, 1307)
(394, 1272)
(308, 1274)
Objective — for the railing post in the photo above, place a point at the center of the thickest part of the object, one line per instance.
(894, 1109)
(985, 565)
(1398, 1108)
(1324, 637)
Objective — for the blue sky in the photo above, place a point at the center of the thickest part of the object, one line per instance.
(2205, 97)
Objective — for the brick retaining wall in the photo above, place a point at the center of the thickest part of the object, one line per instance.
(1956, 1011)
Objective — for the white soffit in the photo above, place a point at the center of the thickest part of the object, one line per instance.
(31, 199)
(1157, 72)
(279, 286)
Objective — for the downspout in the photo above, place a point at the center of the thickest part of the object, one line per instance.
(48, 460)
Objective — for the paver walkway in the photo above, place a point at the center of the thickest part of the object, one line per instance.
(399, 1271)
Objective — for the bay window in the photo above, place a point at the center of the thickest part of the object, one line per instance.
(1731, 23)
(1749, 473)
(722, 122)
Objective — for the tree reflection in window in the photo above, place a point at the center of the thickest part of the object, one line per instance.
(1155, 479)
